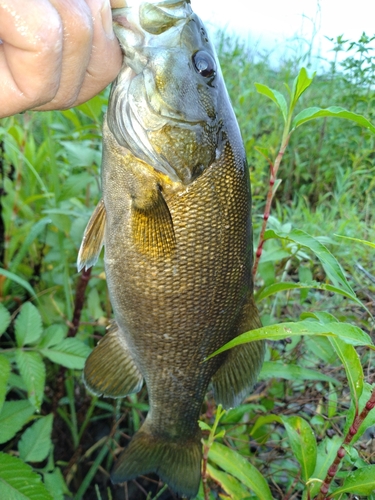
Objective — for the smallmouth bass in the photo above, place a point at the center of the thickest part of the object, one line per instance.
(175, 221)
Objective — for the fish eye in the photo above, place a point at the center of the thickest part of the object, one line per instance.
(204, 64)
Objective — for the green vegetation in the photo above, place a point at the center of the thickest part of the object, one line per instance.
(307, 431)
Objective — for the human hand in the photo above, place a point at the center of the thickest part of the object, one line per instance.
(55, 54)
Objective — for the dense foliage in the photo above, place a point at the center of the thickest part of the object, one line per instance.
(57, 440)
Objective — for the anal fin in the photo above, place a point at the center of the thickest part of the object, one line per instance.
(110, 369)
(236, 377)
(93, 238)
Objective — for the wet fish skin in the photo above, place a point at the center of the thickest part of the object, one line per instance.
(176, 224)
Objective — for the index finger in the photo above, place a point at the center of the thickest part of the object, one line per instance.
(30, 55)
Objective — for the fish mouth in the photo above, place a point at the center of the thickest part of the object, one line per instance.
(152, 17)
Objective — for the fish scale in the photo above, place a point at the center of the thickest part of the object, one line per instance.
(175, 222)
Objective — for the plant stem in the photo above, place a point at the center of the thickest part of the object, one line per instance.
(79, 301)
(271, 193)
(206, 448)
(358, 419)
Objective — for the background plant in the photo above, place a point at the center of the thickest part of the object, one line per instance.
(57, 440)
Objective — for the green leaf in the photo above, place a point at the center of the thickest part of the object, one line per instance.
(333, 111)
(352, 365)
(204, 426)
(16, 381)
(19, 482)
(13, 417)
(55, 484)
(275, 96)
(300, 84)
(228, 483)
(33, 372)
(321, 348)
(52, 335)
(281, 287)
(264, 420)
(4, 377)
(277, 369)
(363, 242)
(234, 463)
(331, 402)
(34, 232)
(28, 325)
(4, 319)
(359, 482)
(331, 266)
(327, 451)
(349, 333)
(35, 443)
(20, 281)
(71, 353)
(303, 444)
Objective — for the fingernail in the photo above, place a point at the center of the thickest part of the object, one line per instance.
(106, 16)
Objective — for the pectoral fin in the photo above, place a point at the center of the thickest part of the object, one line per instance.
(152, 226)
(110, 369)
(93, 238)
(236, 377)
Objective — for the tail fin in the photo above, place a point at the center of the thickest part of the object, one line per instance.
(178, 463)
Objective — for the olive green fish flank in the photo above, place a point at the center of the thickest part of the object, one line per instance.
(177, 239)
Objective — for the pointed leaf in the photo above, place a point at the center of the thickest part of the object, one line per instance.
(359, 482)
(331, 266)
(19, 482)
(281, 287)
(28, 325)
(52, 335)
(301, 83)
(353, 367)
(363, 242)
(234, 463)
(71, 353)
(13, 417)
(4, 377)
(228, 483)
(35, 443)
(264, 420)
(333, 111)
(277, 369)
(303, 444)
(33, 372)
(55, 484)
(20, 281)
(348, 333)
(275, 96)
(4, 319)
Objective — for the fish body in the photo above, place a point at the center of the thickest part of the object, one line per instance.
(176, 226)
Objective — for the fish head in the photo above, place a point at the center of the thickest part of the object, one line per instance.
(165, 105)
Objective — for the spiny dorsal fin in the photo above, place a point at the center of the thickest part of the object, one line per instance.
(153, 229)
(110, 369)
(93, 238)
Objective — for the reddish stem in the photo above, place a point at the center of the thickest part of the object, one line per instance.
(267, 210)
(358, 419)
